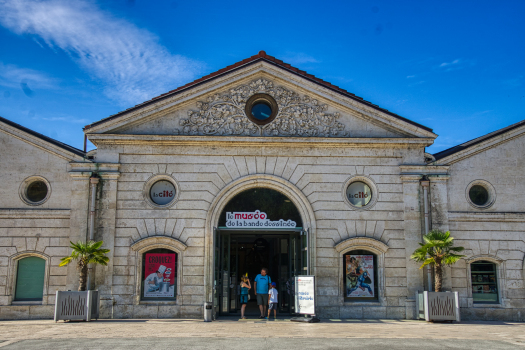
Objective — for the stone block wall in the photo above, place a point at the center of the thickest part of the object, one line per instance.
(27, 230)
(495, 234)
(201, 173)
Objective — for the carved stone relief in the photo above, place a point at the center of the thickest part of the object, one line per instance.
(297, 116)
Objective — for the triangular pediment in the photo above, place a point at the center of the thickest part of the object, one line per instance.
(15, 136)
(216, 107)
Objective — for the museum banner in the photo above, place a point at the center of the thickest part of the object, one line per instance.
(159, 270)
(359, 276)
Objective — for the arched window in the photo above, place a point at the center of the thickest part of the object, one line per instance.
(159, 275)
(484, 281)
(360, 276)
(30, 275)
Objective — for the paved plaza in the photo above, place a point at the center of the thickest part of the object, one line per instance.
(229, 333)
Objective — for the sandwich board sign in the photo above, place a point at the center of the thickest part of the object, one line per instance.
(305, 295)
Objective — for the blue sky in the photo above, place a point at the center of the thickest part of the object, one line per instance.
(455, 66)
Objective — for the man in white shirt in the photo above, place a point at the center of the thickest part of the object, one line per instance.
(152, 281)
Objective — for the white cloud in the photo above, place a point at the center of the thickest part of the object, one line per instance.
(65, 119)
(299, 58)
(445, 64)
(128, 60)
(410, 76)
(12, 76)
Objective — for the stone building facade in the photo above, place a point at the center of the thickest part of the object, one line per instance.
(310, 143)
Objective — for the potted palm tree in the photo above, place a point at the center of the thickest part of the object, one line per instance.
(81, 305)
(438, 250)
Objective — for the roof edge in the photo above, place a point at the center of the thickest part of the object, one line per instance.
(57, 143)
(261, 56)
(466, 145)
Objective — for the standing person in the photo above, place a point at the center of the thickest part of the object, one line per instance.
(245, 287)
(262, 285)
(272, 302)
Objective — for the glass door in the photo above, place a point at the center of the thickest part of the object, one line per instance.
(298, 262)
(217, 271)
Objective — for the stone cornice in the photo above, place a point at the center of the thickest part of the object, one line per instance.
(438, 177)
(108, 171)
(486, 216)
(6, 213)
(410, 177)
(244, 141)
(263, 69)
(420, 169)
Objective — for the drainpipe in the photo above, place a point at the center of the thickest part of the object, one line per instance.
(94, 181)
(425, 184)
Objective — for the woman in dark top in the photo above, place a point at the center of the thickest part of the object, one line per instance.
(245, 287)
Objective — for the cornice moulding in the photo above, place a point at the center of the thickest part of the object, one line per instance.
(486, 216)
(243, 141)
(34, 213)
(407, 169)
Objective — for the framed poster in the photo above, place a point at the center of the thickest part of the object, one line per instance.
(359, 276)
(159, 275)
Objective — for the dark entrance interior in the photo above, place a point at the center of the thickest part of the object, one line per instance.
(246, 251)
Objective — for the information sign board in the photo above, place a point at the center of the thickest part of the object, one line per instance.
(305, 295)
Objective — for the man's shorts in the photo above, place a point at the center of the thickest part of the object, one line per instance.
(262, 299)
(273, 306)
(244, 299)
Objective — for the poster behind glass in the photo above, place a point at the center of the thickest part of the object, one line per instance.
(359, 276)
(159, 272)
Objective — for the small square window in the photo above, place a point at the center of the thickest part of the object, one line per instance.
(484, 282)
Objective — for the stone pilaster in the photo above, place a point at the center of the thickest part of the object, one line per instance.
(105, 223)
(78, 220)
(412, 228)
(439, 215)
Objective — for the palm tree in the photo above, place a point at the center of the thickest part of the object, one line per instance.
(85, 254)
(437, 250)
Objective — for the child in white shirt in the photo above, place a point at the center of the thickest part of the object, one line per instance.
(272, 300)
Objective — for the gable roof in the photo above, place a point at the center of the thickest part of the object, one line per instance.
(465, 145)
(261, 56)
(54, 142)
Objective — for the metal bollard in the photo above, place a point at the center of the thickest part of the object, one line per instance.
(208, 309)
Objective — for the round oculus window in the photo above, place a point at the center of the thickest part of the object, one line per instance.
(359, 194)
(162, 192)
(36, 191)
(478, 195)
(261, 111)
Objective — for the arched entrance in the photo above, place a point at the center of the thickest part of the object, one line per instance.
(258, 221)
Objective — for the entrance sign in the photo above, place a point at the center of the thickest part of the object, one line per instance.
(159, 272)
(359, 276)
(255, 219)
(305, 295)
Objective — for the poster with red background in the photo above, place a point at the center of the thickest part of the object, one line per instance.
(160, 273)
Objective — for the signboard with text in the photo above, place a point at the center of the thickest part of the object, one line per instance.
(256, 219)
(305, 295)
